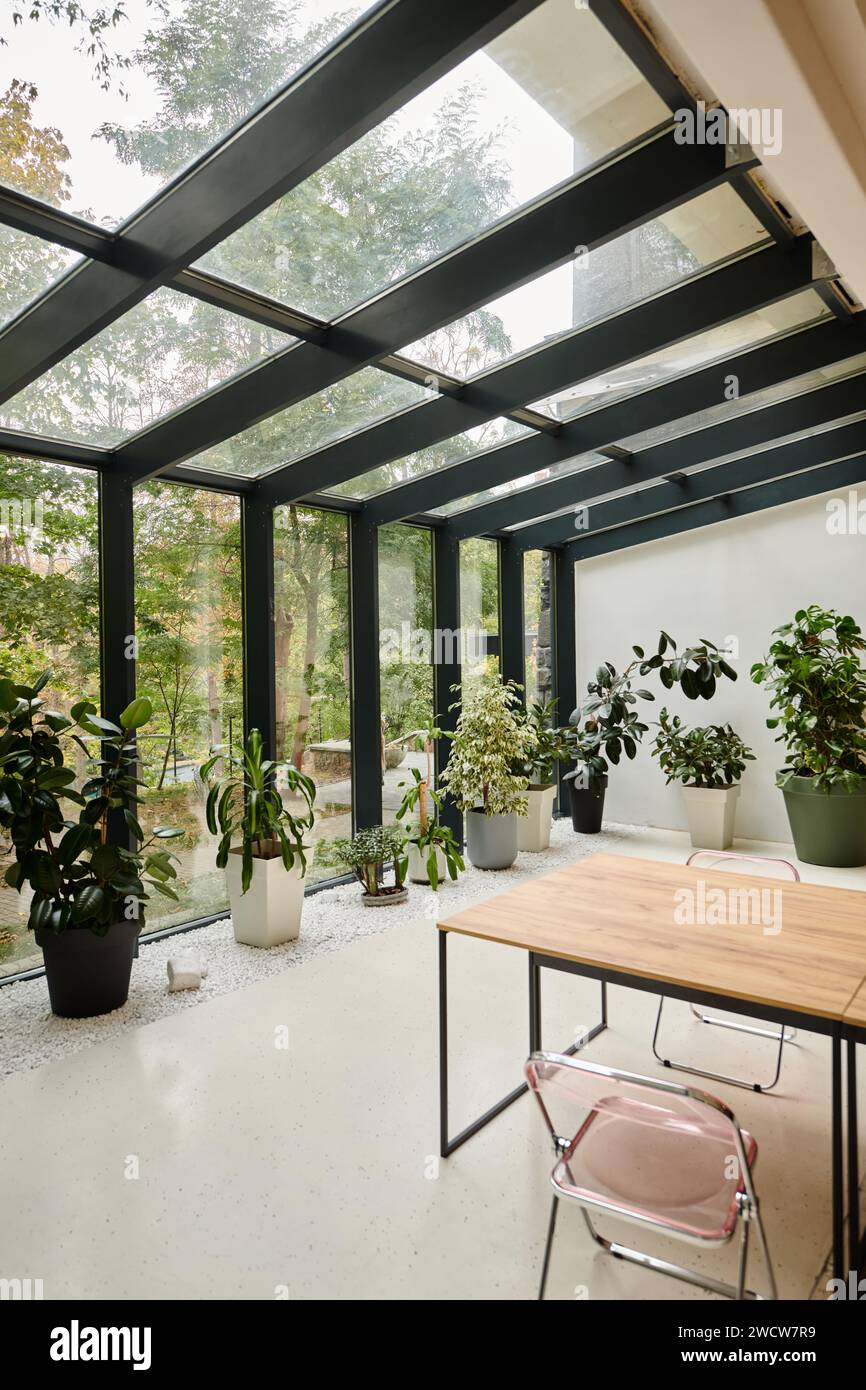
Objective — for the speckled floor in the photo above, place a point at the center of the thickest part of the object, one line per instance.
(281, 1141)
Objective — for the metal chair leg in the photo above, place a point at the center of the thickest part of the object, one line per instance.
(781, 1036)
(639, 1257)
(790, 1033)
(551, 1228)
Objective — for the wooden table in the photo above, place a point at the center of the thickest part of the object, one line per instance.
(619, 920)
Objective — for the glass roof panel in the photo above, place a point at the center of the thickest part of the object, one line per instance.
(548, 98)
(28, 266)
(350, 405)
(437, 456)
(685, 356)
(159, 356)
(162, 84)
(645, 261)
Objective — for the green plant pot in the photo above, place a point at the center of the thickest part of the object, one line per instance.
(828, 828)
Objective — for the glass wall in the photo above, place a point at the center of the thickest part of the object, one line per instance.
(405, 656)
(538, 636)
(49, 601)
(188, 623)
(311, 599)
(479, 608)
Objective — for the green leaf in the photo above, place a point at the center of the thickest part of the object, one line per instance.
(136, 713)
(89, 903)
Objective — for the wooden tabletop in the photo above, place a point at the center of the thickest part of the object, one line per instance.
(800, 946)
(856, 1010)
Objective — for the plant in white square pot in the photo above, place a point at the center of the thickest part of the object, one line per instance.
(490, 741)
(263, 844)
(433, 853)
(709, 762)
(549, 747)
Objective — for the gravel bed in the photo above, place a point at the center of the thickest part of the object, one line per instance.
(30, 1035)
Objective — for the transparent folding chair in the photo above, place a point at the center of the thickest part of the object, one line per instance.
(654, 1153)
(732, 859)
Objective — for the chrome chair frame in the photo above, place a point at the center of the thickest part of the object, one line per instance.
(747, 1202)
(781, 1035)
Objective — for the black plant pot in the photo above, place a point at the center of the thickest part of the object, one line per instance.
(88, 974)
(586, 807)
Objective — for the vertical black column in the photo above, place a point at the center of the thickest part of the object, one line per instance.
(564, 647)
(117, 650)
(366, 712)
(259, 648)
(446, 653)
(512, 639)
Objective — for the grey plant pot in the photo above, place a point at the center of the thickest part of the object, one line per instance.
(491, 840)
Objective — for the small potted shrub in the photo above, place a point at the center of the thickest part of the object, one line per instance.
(549, 747)
(369, 854)
(432, 849)
(88, 885)
(263, 844)
(709, 762)
(490, 741)
(814, 670)
(607, 725)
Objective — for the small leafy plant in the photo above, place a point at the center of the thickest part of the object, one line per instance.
(369, 853)
(714, 756)
(79, 877)
(245, 805)
(491, 741)
(814, 670)
(549, 744)
(429, 835)
(607, 724)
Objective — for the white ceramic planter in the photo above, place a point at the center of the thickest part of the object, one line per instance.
(711, 812)
(269, 913)
(533, 829)
(418, 865)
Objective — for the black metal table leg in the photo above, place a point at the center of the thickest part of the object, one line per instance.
(854, 1242)
(838, 1163)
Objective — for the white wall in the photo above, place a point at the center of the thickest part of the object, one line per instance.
(741, 579)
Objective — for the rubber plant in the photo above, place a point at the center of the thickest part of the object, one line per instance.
(713, 756)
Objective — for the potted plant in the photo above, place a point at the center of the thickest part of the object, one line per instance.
(607, 725)
(815, 672)
(262, 844)
(549, 746)
(368, 854)
(88, 885)
(709, 762)
(433, 851)
(489, 743)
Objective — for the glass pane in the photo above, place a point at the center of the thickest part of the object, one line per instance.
(49, 565)
(159, 87)
(645, 261)
(161, 355)
(437, 456)
(537, 626)
(479, 608)
(190, 665)
(28, 266)
(352, 404)
(687, 355)
(542, 475)
(548, 98)
(405, 657)
(311, 598)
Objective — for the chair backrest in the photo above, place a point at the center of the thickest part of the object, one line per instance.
(760, 864)
(570, 1089)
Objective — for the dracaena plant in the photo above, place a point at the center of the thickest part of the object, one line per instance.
(713, 757)
(244, 805)
(814, 671)
(608, 724)
(420, 797)
(491, 741)
(549, 744)
(79, 875)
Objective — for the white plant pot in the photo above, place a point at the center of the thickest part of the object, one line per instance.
(418, 865)
(711, 812)
(533, 829)
(269, 913)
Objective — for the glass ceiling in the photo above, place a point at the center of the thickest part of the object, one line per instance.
(28, 267)
(351, 404)
(547, 99)
(159, 356)
(152, 97)
(646, 260)
(454, 450)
